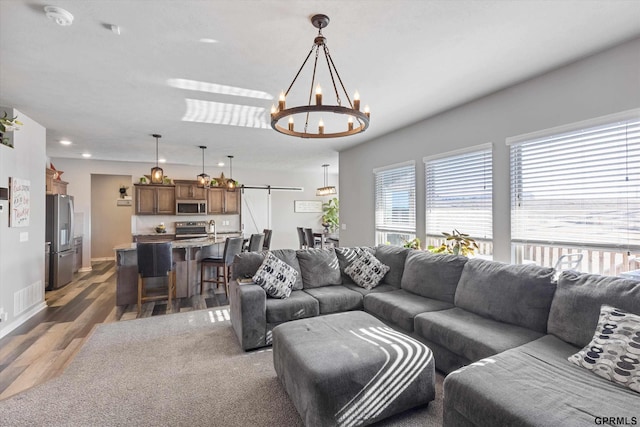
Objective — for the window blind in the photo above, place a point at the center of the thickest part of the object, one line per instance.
(395, 200)
(459, 193)
(578, 187)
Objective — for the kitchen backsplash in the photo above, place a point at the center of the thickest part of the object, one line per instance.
(146, 224)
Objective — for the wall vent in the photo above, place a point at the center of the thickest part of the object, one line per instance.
(27, 297)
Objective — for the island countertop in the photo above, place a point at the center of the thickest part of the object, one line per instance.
(177, 244)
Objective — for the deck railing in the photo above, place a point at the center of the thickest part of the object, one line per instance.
(597, 260)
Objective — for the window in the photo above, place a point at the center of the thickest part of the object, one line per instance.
(459, 194)
(579, 188)
(395, 196)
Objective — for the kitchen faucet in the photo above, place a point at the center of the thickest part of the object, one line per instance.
(212, 226)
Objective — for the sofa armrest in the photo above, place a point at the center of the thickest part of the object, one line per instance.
(248, 306)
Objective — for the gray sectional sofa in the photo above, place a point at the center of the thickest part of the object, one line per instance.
(502, 332)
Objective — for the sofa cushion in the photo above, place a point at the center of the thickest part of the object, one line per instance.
(298, 306)
(400, 307)
(576, 305)
(614, 350)
(319, 267)
(276, 277)
(347, 255)
(246, 264)
(432, 275)
(517, 294)
(394, 257)
(383, 287)
(367, 271)
(546, 390)
(470, 335)
(333, 299)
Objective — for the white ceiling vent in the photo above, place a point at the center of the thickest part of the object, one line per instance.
(59, 15)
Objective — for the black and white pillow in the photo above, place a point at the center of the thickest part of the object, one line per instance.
(276, 277)
(366, 270)
(614, 350)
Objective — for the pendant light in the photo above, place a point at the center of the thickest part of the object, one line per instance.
(203, 178)
(156, 173)
(231, 183)
(327, 190)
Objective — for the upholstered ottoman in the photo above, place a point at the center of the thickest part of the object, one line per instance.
(351, 369)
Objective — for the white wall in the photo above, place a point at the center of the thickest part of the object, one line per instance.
(22, 261)
(605, 83)
(283, 219)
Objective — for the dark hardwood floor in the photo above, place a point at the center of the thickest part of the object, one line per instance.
(42, 347)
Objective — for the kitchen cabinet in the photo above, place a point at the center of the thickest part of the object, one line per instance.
(77, 256)
(221, 201)
(186, 190)
(155, 199)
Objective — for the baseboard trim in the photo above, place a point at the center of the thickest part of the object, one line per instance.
(85, 269)
(108, 258)
(18, 321)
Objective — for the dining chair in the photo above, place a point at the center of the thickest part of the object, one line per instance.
(302, 238)
(312, 242)
(255, 242)
(232, 247)
(155, 260)
(267, 239)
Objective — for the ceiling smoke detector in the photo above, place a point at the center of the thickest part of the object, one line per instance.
(58, 15)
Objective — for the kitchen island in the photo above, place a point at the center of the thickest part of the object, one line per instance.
(186, 256)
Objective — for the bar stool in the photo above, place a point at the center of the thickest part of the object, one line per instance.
(155, 260)
(232, 247)
(267, 239)
(255, 242)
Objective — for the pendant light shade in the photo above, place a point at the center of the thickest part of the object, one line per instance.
(156, 173)
(203, 178)
(327, 190)
(231, 183)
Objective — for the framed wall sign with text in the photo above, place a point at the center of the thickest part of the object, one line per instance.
(307, 206)
(19, 202)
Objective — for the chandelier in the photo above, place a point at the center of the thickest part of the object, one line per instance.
(352, 111)
(327, 190)
(156, 172)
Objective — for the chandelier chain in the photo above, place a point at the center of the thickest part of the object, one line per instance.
(313, 81)
(339, 79)
(298, 73)
(327, 56)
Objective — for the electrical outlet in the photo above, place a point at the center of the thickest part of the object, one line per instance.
(24, 236)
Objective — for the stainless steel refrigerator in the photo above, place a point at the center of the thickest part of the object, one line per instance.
(59, 232)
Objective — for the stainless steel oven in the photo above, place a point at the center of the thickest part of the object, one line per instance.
(191, 207)
(191, 229)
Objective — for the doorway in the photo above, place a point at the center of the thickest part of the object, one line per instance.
(110, 214)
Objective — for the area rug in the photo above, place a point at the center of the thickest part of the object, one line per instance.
(183, 369)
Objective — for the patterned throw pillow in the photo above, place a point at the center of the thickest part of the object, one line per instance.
(366, 270)
(276, 277)
(614, 350)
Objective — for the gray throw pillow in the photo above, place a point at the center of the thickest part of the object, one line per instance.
(276, 277)
(367, 271)
(319, 267)
(614, 350)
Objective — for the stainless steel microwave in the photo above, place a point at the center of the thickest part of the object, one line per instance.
(191, 207)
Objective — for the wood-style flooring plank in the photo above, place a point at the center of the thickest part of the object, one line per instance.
(43, 346)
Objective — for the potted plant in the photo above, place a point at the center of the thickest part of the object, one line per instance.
(331, 218)
(8, 124)
(456, 243)
(412, 244)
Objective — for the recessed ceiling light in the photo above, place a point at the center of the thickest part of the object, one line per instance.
(162, 160)
(65, 142)
(115, 29)
(206, 40)
(86, 155)
(220, 164)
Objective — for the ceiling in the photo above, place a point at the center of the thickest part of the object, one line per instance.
(409, 59)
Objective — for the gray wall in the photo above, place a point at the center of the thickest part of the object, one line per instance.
(22, 262)
(605, 83)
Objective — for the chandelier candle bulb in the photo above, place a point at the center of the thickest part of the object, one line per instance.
(318, 95)
(281, 102)
(320, 127)
(273, 109)
(291, 123)
(350, 123)
(356, 101)
(366, 111)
